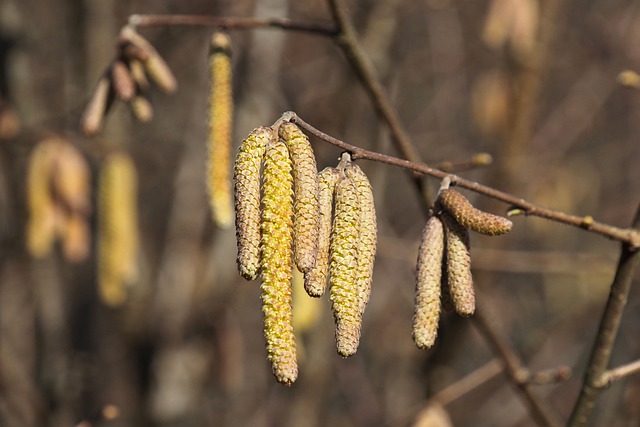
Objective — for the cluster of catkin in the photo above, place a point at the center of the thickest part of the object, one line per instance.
(59, 204)
(127, 78)
(443, 277)
(324, 223)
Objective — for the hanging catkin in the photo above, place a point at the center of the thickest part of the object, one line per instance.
(220, 129)
(428, 279)
(277, 264)
(343, 267)
(367, 234)
(117, 227)
(458, 256)
(315, 280)
(469, 217)
(306, 210)
(246, 179)
(41, 225)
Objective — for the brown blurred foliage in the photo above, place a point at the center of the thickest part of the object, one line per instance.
(187, 347)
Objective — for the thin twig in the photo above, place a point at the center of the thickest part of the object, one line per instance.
(230, 23)
(517, 372)
(595, 378)
(347, 40)
(620, 372)
(468, 383)
(626, 235)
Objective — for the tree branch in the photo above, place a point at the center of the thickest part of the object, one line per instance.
(629, 236)
(596, 377)
(620, 372)
(231, 23)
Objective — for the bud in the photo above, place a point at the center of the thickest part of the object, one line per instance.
(306, 209)
(276, 245)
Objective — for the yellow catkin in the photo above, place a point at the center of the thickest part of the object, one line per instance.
(343, 265)
(277, 264)
(367, 235)
(459, 266)
(220, 130)
(41, 226)
(428, 279)
(142, 108)
(246, 180)
(155, 66)
(118, 228)
(71, 179)
(306, 210)
(75, 240)
(315, 281)
(469, 217)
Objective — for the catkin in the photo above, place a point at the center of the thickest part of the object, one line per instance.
(367, 235)
(459, 266)
(118, 228)
(343, 267)
(122, 80)
(469, 217)
(315, 280)
(246, 179)
(155, 66)
(276, 245)
(220, 129)
(41, 226)
(428, 279)
(306, 220)
(93, 116)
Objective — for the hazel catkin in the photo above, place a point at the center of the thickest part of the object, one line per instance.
(458, 257)
(117, 228)
(343, 267)
(306, 209)
(469, 217)
(367, 234)
(428, 280)
(220, 129)
(246, 179)
(276, 245)
(315, 280)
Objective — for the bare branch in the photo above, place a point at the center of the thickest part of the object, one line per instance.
(620, 372)
(596, 376)
(469, 382)
(230, 23)
(626, 235)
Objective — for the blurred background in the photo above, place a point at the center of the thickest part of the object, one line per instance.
(532, 82)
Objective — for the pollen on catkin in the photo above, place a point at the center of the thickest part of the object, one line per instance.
(428, 280)
(220, 130)
(315, 280)
(306, 220)
(469, 217)
(458, 256)
(343, 254)
(117, 228)
(246, 179)
(277, 264)
(367, 235)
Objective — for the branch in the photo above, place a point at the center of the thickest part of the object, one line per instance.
(620, 372)
(628, 236)
(230, 23)
(517, 372)
(596, 376)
